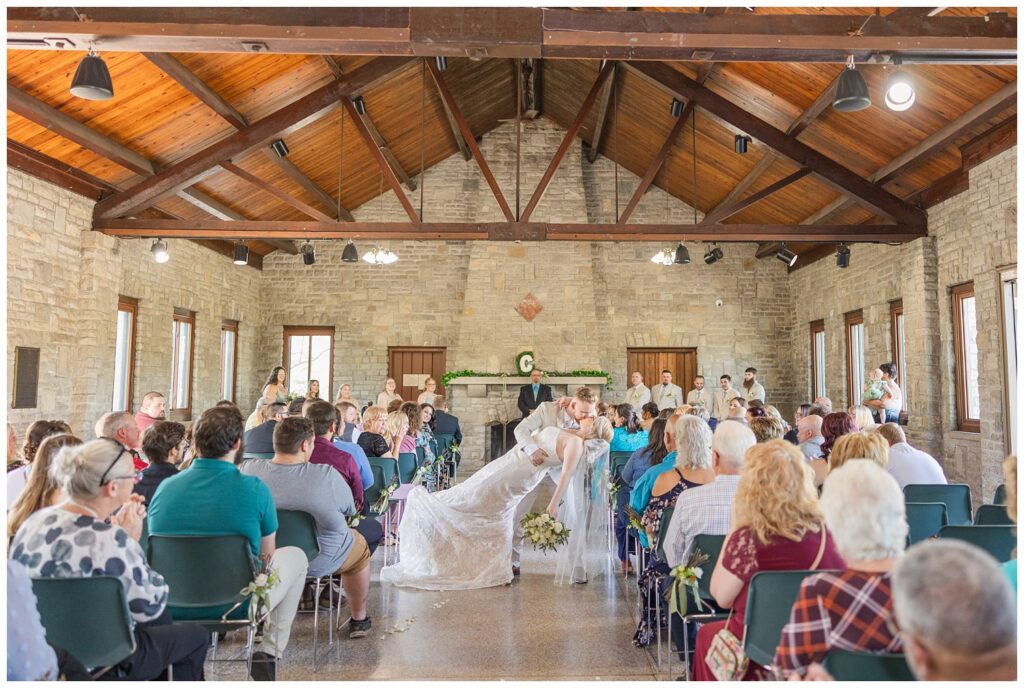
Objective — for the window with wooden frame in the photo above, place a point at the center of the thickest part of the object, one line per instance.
(124, 353)
(309, 355)
(183, 349)
(1008, 281)
(854, 356)
(818, 359)
(229, 359)
(965, 358)
(899, 345)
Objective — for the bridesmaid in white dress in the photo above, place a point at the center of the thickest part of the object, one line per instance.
(461, 538)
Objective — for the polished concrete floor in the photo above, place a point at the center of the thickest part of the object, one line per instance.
(530, 630)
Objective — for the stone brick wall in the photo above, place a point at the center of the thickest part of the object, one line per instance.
(971, 236)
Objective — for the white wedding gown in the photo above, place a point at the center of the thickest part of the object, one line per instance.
(461, 538)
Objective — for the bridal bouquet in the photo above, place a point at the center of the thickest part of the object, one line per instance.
(544, 532)
(689, 576)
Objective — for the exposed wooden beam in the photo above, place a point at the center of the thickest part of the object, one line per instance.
(841, 202)
(293, 116)
(814, 110)
(453, 124)
(56, 121)
(916, 11)
(728, 211)
(813, 255)
(300, 178)
(212, 206)
(262, 230)
(276, 192)
(333, 66)
(759, 168)
(484, 32)
(467, 136)
(385, 149)
(999, 138)
(768, 249)
(56, 172)
(570, 136)
(602, 116)
(656, 162)
(832, 173)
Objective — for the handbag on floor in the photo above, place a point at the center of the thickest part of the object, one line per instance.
(726, 658)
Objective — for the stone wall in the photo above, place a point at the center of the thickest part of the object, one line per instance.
(971, 237)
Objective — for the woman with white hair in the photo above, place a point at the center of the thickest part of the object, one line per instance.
(863, 418)
(72, 540)
(865, 513)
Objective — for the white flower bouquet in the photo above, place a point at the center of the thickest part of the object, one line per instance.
(688, 576)
(265, 580)
(543, 532)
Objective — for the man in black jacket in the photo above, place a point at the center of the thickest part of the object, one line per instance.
(444, 422)
(533, 395)
(260, 440)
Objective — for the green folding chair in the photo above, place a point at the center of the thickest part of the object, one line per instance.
(999, 541)
(444, 448)
(617, 462)
(770, 599)
(925, 519)
(298, 529)
(407, 465)
(710, 545)
(257, 455)
(865, 666)
(205, 574)
(88, 617)
(385, 472)
(957, 499)
(992, 515)
(1000, 495)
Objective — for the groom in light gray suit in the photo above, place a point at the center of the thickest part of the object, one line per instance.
(564, 413)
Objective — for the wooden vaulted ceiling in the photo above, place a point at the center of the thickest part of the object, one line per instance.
(157, 117)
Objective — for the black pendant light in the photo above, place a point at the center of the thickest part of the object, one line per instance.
(350, 254)
(843, 256)
(241, 254)
(851, 90)
(682, 255)
(92, 79)
(308, 253)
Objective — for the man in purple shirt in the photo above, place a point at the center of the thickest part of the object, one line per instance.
(325, 418)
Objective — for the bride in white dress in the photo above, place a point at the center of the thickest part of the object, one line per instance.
(461, 538)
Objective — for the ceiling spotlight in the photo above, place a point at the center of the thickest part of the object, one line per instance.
(241, 254)
(92, 79)
(360, 105)
(851, 91)
(899, 89)
(681, 256)
(786, 256)
(740, 143)
(713, 255)
(159, 251)
(442, 63)
(677, 108)
(380, 256)
(308, 253)
(350, 254)
(663, 257)
(280, 147)
(843, 256)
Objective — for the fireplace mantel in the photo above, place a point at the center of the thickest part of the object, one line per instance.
(478, 386)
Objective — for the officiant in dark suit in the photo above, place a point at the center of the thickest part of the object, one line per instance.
(534, 394)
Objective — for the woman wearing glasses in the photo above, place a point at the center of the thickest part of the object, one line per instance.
(73, 540)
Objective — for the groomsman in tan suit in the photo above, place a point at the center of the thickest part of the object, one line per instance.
(701, 395)
(638, 394)
(666, 395)
(723, 395)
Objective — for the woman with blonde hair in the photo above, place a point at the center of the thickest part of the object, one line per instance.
(863, 418)
(371, 439)
(42, 490)
(859, 445)
(396, 428)
(389, 394)
(777, 525)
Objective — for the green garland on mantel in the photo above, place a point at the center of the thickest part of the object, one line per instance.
(452, 375)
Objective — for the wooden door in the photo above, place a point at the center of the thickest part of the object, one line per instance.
(682, 362)
(410, 366)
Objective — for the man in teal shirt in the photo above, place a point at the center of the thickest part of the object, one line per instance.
(641, 492)
(212, 498)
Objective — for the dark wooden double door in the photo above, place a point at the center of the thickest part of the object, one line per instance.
(682, 362)
(409, 364)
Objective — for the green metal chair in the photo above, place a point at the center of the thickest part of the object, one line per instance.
(992, 515)
(710, 545)
(957, 499)
(385, 472)
(257, 455)
(999, 541)
(205, 575)
(407, 465)
(618, 461)
(451, 458)
(865, 666)
(298, 529)
(1000, 495)
(770, 599)
(88, 617)
(925, 520)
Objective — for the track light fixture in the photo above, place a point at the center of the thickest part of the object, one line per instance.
(360, 105)
(899, 89)
(851, 91)
(843, 256)
(786, 256)
(740, 143)
(241, 254)
(159, 251)
(308, 253)
(681, 256)
(350, 254)
(92, 79)
(677, 108)
(713, 255)
(442, 63)
(280, 147)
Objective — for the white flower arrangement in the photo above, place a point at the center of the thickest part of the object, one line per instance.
(381, 505)
(543, 532)
(259, 589)
(686, 575)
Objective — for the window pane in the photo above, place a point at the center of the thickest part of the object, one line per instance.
(819, 357)
(970, 333)
(122, 353)
(320, 361)
(857, 361)
(1010, 334)
(227, 383)
(298, 364)
(901, 374)
(180, 370)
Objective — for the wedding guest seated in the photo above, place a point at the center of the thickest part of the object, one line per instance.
(701, 412)
(777, 525)
(371, 439)
(350, 420)
(908, 465)
(808, 435)
(414, 422)
(320, 491)
(766, 428)
(859, 445)
(737, 410)
(955, 612)
(394, 406)
(802, 411)
(833, 426)
(648, 414)
(42, 489)
(295, 406)
(150, 410)
(162, 443)
(666, 413)
(260, 440)
(213, 498)
(120, 426)
(650, 455)
(73, 541)
(1010, 480)
(825, 403)
(863, 418)
(19, 472)
(444, 422)
(325, 421)
(349, 447)
(865, 513)
(628, 435)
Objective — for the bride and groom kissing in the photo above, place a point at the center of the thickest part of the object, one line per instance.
(470, 536)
